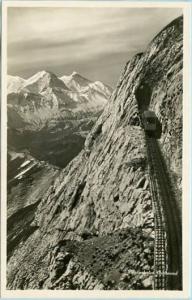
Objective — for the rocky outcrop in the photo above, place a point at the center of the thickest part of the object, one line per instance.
(95, 223)
(163, 85)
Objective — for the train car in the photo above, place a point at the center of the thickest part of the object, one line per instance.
(149, 120)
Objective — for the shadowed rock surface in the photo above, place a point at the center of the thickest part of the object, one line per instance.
(27, 180)
(95, 221)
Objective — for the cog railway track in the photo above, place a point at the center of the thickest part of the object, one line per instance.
(168, 234)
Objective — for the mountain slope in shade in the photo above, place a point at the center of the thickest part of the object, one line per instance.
(24, 172)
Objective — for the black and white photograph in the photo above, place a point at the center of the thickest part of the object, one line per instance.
(93, 192)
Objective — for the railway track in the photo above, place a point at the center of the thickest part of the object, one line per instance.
(168, 237)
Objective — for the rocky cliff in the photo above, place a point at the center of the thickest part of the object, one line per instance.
(27, 180)
(94, 226)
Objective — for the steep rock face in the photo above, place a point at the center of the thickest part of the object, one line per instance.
(95, 224)
(27, 180)
(163, 85)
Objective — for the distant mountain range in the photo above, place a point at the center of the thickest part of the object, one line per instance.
(50, 116)
(44, 97)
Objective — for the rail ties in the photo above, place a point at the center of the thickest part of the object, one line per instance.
(160, 257)
(168, 251)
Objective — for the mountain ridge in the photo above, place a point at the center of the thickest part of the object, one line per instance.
(40, 74)
(44, 96)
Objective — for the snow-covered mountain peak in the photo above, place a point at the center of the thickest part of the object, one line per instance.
(14, 84)
(11, 77)
(66, 78)
(77, 83)
(74, 80)
(35, 84)
(74, 73)
(43, 80)
(42, 75)
(46, 91)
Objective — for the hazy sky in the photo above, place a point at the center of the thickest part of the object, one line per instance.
(96, 42)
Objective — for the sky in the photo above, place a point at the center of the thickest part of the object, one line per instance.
(95, 42)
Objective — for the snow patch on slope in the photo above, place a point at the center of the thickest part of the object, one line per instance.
(15, 84)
